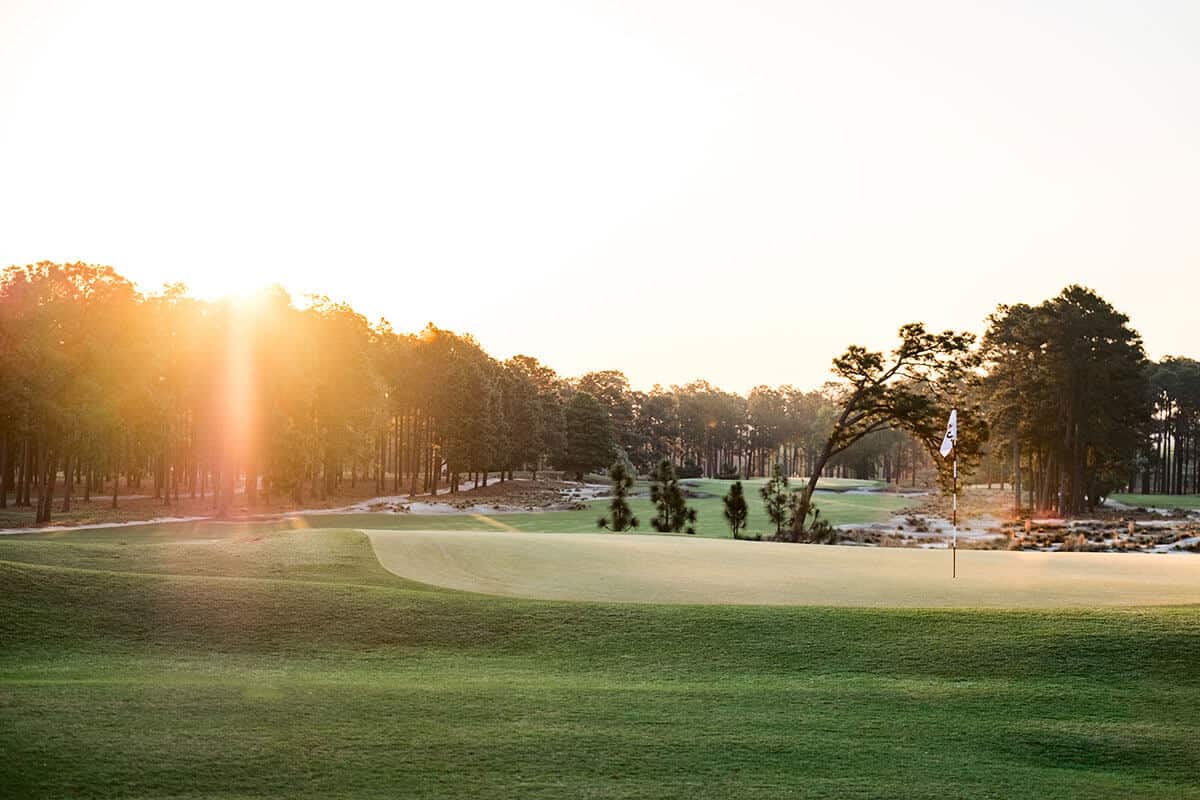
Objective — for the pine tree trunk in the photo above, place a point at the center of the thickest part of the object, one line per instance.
(23, 485)
(4, 470)
(414, 458)
(45, 485)
(116, 478)
(224, 486)
(1016, 481)
(399, 453)
(68, 481)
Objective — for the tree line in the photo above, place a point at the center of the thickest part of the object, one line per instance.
(108, 391)
(1078, 411)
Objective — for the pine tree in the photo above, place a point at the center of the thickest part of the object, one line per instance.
(907, 390)
(777, 499)
(673, 512)
(818, 530)
(736, 509)
(620, 515)
(589, 441)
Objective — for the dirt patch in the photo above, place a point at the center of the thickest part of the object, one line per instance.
(497, 497)
(998, 503)
(986, 521)
(523, 494)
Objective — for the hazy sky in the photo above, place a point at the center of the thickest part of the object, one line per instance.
(732, 191)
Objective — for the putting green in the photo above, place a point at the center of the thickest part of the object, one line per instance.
(675, 569)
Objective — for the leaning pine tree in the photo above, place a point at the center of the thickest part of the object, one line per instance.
(736, 509)
(620, 517)
(673, 513)
(905, 390)
(818, 531)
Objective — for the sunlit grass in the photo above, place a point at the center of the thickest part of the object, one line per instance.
(837, 507)
(236, 661)
(1158, 500)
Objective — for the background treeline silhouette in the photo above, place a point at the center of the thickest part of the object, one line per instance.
(104, 390)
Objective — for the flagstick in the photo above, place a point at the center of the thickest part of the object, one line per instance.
(950, 442)
(954, 541)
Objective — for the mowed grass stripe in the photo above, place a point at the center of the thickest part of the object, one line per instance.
(316, 673)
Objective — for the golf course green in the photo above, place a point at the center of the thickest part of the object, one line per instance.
(235, 660)
(677, 569)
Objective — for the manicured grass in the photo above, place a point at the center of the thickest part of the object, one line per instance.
(236, 661)
(716, 485)
(1158, 500)
(683, 569)
(837, 507)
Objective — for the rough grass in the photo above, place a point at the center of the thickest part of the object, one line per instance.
(236, 661)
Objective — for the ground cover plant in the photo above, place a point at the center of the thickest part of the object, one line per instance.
(237, 660)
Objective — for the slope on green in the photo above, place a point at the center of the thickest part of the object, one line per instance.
(680, 569)
(236, 661)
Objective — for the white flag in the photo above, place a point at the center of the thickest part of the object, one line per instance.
(951, 434)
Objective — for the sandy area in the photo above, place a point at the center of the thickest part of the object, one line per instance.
(667, 569)
(510, 497)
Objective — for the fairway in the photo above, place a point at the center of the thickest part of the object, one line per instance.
(1185, 501)
(837, 507)
(673, 569)
(204, 660)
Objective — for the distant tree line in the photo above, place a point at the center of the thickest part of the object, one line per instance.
(104, 389)
(1172, 463)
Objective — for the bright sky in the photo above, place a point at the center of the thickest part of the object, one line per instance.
(733, 191)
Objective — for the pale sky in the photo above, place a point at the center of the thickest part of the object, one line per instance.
(720, 190)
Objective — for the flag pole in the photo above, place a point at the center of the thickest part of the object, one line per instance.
(950, 448)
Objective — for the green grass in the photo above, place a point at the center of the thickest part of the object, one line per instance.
(825, 484)
(252, 660)
(1158, 500)
(837, 507)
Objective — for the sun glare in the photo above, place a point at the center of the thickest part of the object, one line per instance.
(598, 399)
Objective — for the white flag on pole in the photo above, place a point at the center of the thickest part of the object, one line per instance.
(951, 434)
